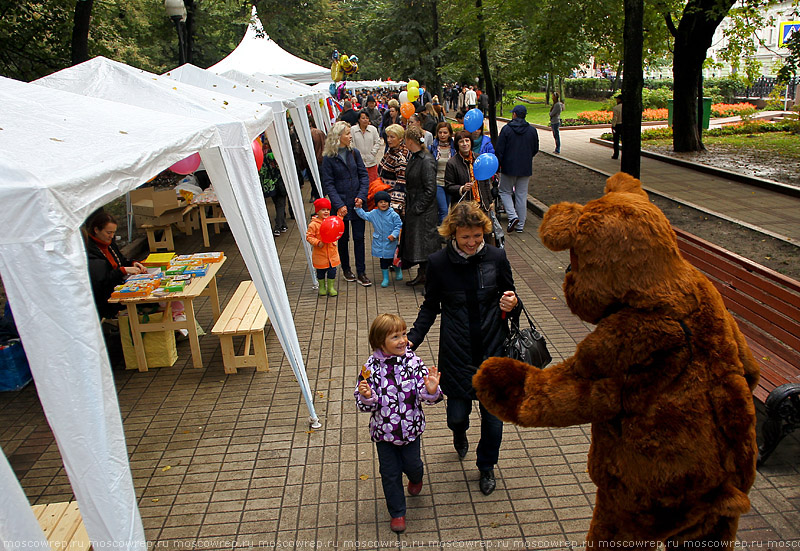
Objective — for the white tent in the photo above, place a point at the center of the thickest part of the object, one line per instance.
(243, 205)
(258, 53)
(277, 133)
(280, 98)
(62, 156)
(361, 85)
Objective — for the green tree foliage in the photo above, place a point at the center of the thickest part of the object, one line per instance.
(34, 37)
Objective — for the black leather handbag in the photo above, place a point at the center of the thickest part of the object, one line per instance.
(526, 345)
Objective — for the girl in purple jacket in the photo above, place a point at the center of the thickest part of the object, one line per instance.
(392, 385)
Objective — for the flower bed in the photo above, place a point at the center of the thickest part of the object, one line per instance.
(595, 117)
(731, 109)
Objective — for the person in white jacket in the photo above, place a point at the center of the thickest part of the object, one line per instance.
(368, 143)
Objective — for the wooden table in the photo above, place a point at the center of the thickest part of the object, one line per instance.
(205, 286)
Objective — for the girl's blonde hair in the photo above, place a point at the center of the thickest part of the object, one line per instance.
(414, 133)
(466, 214)
(396, 130)
(382, 327)
(394, 103)
(332, 142)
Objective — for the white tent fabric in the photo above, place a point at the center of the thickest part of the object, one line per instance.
(258, 53)
(297, 109)
(306, 91)
(233, 173)
(61, 157)
(278, 134)
(18, 525)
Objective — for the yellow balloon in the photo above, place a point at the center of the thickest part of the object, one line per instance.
(413, 83)
(413, 93)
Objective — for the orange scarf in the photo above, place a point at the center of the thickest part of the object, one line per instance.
(476, 194)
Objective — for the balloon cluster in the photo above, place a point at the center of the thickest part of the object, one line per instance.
(410, 94)
(337, 90)
(343, 66)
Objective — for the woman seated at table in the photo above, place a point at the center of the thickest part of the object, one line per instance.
(107, 265)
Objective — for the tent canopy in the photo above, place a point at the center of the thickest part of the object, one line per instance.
(258, 53)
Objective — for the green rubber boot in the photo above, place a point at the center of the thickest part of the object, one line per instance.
(331, 289)
(323, 288)
(399, 276)
(385, 282)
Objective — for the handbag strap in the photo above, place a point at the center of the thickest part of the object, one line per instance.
(515, 322)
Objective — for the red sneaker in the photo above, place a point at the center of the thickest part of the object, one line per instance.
(398, 524)
(414, 489)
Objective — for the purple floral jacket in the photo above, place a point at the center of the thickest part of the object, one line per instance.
(398, 390)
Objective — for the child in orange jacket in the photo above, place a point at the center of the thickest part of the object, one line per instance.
(324, 256)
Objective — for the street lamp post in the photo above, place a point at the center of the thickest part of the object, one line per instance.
(176, 11)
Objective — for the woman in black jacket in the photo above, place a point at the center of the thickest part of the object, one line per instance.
(420, 237)
(107, 265)
(470, 283)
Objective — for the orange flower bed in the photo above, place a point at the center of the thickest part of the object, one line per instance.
(730, 109)
(655, 114)
(595, 117)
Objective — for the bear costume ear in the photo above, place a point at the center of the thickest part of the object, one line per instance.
(559, 226)
(622, 182)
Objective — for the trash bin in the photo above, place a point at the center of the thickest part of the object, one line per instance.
(706, 112)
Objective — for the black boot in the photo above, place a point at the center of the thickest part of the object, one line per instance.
(487, 483)
(461, 444)
(420, 278)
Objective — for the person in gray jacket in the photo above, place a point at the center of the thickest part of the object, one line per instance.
(555, 120)
(516, 146)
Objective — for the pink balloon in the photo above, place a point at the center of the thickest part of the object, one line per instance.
(258, 153)
(331, 229)
(187, 165)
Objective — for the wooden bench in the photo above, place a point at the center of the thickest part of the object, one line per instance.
(244, 315)
(63, 526)
(766, 306)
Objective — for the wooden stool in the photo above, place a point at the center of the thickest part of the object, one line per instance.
(243, 315)
(216, 218)
(63, 525)
(166, 242)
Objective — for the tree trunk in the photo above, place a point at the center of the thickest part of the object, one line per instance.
(633, 37)
(80, 31)
(437, 57)
(487, 75)
(547, 89)
(692, 39)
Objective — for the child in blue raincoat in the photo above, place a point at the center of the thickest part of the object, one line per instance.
(386, 225)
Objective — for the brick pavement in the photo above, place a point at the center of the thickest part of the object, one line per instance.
(222, 458)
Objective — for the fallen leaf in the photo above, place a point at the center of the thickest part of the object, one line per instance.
(493, 525)
(154, 500)
(122, 132)
(166, 468)
(187, 432)
(321, 395)
(56, 140)
(364, 477)
(224, 103)
(310, 431)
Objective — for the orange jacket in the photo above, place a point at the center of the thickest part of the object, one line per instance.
(323, 255)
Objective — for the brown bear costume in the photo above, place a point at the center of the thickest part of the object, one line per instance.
(665, 378)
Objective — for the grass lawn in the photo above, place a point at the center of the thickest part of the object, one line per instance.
(783, 145)
(539, 113)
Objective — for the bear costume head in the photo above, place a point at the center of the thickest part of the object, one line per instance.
(665, 378)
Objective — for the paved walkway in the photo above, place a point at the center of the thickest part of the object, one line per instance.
(773, 212)
(246, 471)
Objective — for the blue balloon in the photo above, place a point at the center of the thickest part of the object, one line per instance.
(485, 166)
(473, 119)
(332, 89)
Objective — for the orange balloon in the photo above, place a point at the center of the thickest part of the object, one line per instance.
(407, 110)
